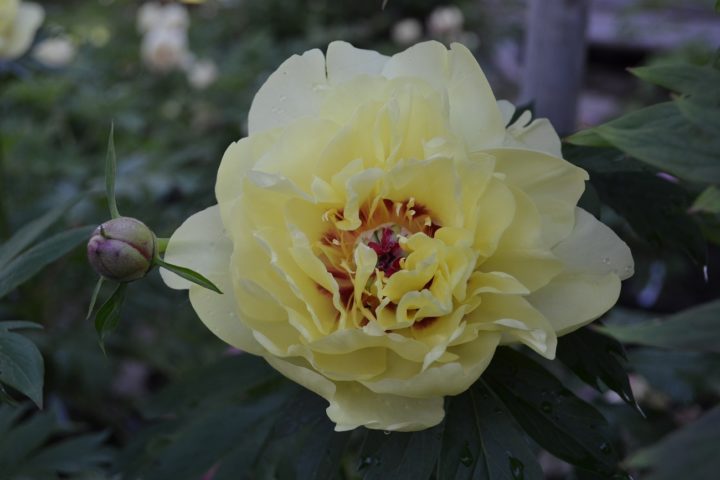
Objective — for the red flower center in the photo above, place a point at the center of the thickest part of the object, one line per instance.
(388, 250)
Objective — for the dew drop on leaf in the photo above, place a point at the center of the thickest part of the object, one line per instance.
(605, 448)
(546, 407)
(517, 468)
(466, 457)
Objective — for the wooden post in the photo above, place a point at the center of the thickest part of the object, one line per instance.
(555, 59)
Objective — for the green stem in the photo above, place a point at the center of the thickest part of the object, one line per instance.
(162, 244)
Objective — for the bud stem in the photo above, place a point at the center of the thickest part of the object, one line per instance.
(162, 244)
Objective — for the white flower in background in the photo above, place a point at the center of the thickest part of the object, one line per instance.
(446, 22)
(153, 16)
(202, 73)
(165, 36)
(165, 49)
(55, 52)
(18, 23)
(406, 32)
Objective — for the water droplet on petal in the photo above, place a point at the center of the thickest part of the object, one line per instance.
(606, 260)
(517, 468)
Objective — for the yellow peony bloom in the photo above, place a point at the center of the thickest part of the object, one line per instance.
(18, 23)
(380, 233)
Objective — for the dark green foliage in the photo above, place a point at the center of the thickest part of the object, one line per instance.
(552, 415)
(696, 329)
(690, 449)
(597, 358)
(39, 447)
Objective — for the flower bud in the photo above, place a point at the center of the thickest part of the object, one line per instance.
(122, 249)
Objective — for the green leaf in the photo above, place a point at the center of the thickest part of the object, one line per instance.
(223, 414)
(21, 366)
(683, 376)
(108, 316)
(23, 438)
(111, 173)
(30, 232)
(688, 79)
(31, 448)
(656, 209)
(72, 456)
(8, 325)
(93, 298)
(188, 274)
(588, 138)
(30, 262)
(207, 387)
(552, 415)
(704, 115)
(661, 136)
(482, 441)
(204, 439)
(596, 358)
(696, 329)
(400, 454)
(302, 426)
(708, 201)
(693, 448)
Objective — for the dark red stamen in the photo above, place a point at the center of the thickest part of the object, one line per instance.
(388, 251)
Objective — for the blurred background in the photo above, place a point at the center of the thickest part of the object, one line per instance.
(177, 80)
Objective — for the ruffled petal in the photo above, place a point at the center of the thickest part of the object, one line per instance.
(294, 90)
(352, 405)
(344, 62)
(474, 113)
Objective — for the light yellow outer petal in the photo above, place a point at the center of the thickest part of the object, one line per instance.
(474, 113)
(593, 247)
(344, 62)
(200, 244)
(294, 90)
(352, 405)
(444, 379)
(553, 184)
(572, 300)
(20, 34)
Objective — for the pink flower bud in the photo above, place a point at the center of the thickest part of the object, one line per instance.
(122, 249)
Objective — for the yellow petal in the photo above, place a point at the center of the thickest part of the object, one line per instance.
(593, 247)
(345, 62)
(442, 379)
(572, 300)
(352, 405)
(553, 185)
(473, 109)
(294, 90)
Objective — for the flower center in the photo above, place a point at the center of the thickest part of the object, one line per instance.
(385, 242)
(383, 224)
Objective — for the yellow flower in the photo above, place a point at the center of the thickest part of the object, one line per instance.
(380, 232)
(18, 23)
